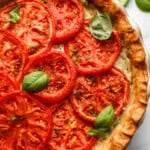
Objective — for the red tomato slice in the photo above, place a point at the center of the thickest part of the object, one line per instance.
(6, 84)
(93, 56)
(69, 132)
(13, 56)
(35, 27)
(69, 17)
(94, 93)
(25, 123)
(62, 74)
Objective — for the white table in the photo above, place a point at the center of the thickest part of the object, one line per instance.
(141, 140)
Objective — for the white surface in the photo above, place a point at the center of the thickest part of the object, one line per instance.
(141, 140)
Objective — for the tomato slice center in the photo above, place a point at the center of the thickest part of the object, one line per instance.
(24, 122)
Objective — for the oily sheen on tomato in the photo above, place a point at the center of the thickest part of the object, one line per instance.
(34, 24)
(6, 84)
(69, 17)
(90, 55)
(13, 56)
(25, 123)
(93, 93)
(62, 74)
(69, 132)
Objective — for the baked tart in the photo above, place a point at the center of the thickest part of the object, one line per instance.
(74, 75)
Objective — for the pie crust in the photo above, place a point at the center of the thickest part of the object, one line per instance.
(129, 121)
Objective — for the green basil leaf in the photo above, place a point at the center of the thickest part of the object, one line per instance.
(143, 5)
(15, 14)
(105, 118)
(35, 81)
(98, 132)
(101, 26)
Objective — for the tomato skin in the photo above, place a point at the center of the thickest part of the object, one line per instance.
(4, 2)
(62, 74)
(6, 84)
(93, 93)
(72, 21)
(93, 56)
(36, 31)
(32, 131)
(67, 127)
(13, 56)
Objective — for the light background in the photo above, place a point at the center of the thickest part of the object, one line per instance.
(141, 140)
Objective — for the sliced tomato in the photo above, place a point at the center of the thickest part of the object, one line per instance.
(25, 123)
(6, 84)
(69, 132)
(62, 74)
(69, 17)
(35, 26)
(93, 93)
(4, 2)
(90, 55)
(13, 56)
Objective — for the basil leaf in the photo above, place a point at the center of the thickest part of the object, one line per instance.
(35, 81)
(105, 118)
(101, 26)
(15, 14)
(98, 132)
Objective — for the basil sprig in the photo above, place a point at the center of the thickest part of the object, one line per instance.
(97, 132)
(105, 118)
(103, 122)
(35, 81)
(101, 26)
(15, 14)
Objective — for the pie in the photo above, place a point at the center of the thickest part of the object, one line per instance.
(73, 75)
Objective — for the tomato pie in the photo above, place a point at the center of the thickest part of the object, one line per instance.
(73, 75)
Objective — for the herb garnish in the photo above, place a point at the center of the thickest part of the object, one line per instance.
(103, 122)
(74, 53)
(56, 131)
(15, 14)
(16, 118)
(35, 81)
(101, 26)
(92, 79)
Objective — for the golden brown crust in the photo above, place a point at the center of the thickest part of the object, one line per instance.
(122, 133)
